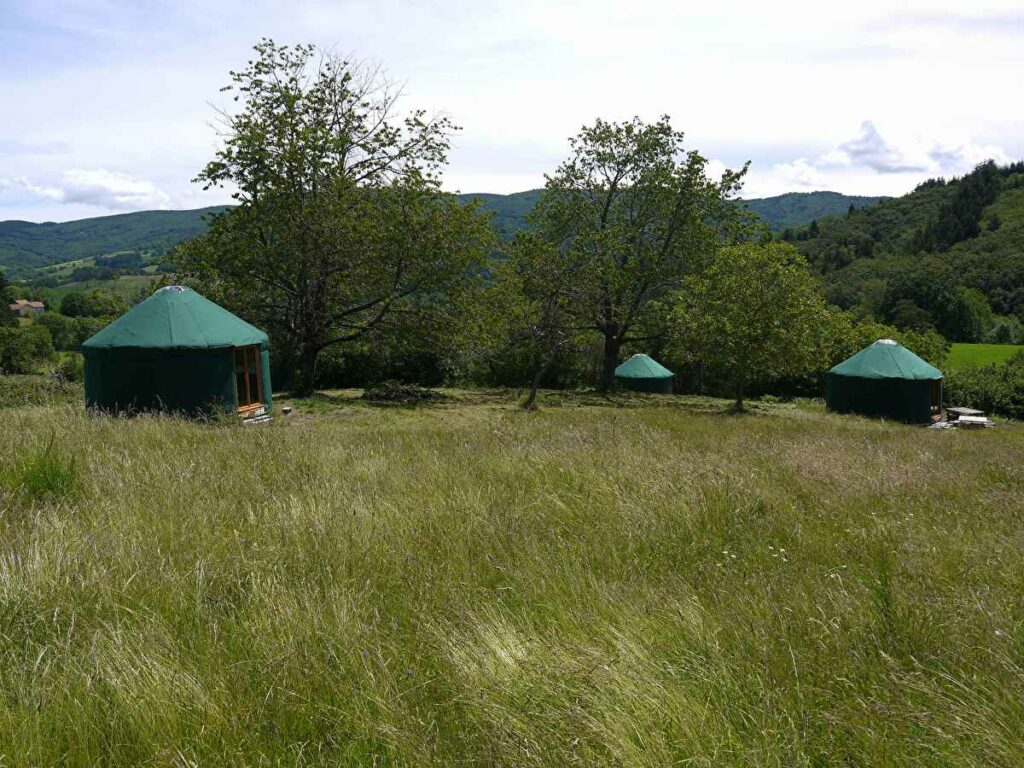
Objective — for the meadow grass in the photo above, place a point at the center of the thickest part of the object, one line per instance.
(639, 582)
(966, 355)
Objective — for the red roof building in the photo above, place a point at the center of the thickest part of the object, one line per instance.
(25, 308)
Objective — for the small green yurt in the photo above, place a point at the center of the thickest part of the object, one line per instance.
(179, 352)
(643, 374)
(886, 379)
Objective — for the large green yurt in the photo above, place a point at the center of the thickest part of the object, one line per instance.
(179, 352)
(886, 379)
(643, 374)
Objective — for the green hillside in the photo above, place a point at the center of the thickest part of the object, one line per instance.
(949, 255)
(25, 246)
(509, 211)
(794, 209)
(968, 355)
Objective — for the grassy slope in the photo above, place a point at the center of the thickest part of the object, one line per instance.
(127, 286)
(579, 586)
(963, 355)
(24, 245)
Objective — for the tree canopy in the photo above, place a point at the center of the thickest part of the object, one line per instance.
(340, 220)
(754, 312)
(638, 212)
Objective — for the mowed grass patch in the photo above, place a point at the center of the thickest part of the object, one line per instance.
(593, 585)
(967, 355)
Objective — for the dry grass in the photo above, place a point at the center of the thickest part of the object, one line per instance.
(617, 583)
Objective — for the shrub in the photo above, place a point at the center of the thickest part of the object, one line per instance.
(22, 391)
(94, 303)
(44, 475)
(402, 357)
(61, 328)
(70, 368)
(991, 388)
(401, 394)
(1006, 330)
(23, 349)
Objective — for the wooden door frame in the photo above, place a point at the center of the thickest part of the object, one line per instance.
(251, 404)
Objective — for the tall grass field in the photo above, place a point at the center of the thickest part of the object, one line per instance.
(649, 582)
(967, 355)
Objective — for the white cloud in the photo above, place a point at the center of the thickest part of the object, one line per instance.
(800, 173)
(127, 86)
(117, 191)
(957, 158)
(872, 151)
(871, 163)
(23, 187)
(99, 188)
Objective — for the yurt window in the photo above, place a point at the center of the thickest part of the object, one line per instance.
(247, 376)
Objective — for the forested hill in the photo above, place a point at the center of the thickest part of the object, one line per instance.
(949, 255)
(794, 209)
(509, 211)
(25, 246)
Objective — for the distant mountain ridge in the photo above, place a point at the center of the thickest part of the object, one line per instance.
(781, 212)
(794, 209)
(26, 246)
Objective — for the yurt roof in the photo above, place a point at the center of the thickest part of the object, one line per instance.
(886, 359)
(176, 317)
(642, 367)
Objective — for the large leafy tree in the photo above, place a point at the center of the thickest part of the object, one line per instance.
(642, 213)
(754, 312)
(340, 222)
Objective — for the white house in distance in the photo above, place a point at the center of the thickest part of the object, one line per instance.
(25, 308)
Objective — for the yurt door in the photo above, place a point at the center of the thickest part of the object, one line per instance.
(247, 378)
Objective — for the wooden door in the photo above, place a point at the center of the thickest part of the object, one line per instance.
(248, 379)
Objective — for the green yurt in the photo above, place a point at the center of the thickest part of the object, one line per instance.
(179, 352)
(886, 379)
(643, 374)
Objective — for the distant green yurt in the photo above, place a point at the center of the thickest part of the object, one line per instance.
(178, 352)
(886, 379)
(643, 374)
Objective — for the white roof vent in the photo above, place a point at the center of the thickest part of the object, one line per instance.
(887, 342)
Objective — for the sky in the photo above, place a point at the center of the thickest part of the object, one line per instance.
(108, 106)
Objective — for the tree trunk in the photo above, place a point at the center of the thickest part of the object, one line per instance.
(738, 405)
(612, 345)
(531, 398)
(306, 379)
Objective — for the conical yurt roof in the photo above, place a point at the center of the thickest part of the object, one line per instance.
(642, 367)
(886, 359)
(176, 317)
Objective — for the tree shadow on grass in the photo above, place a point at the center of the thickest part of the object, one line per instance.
(701, 405)
(509, 398)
